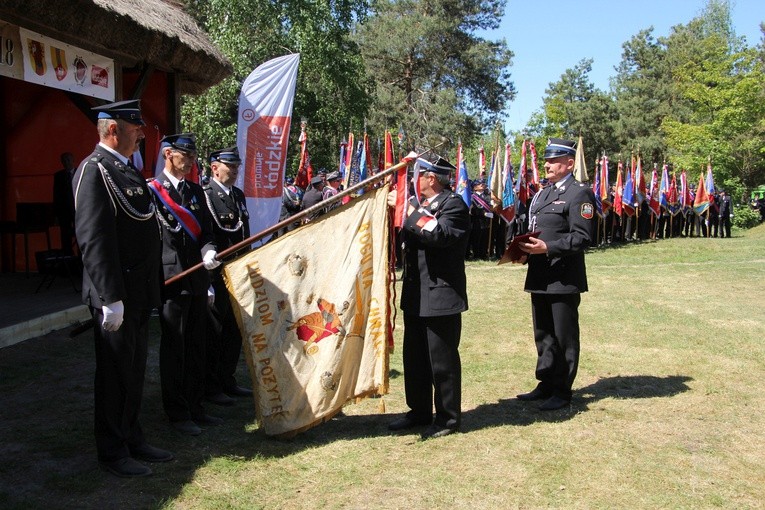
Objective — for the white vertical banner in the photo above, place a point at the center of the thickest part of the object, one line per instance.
(265, 114)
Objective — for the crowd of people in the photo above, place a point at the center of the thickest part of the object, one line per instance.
(490, 233)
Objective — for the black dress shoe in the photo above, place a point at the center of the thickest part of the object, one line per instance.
(407, 423)
(125, 468)
(435, 431)
(206, 419)
(553, 403)
(238, 391)
(536, 394)
(149, 453)
(187, 427)
(220, 399)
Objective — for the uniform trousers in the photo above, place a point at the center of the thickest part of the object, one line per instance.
(556, 335)
(725, 226)
(182, 354)
(432, 362)
(118, 388)
(224, 342)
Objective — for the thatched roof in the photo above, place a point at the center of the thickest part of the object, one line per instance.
(157, 32)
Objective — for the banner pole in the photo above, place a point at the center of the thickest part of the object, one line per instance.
(305, 212)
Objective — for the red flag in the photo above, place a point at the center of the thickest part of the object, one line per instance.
(388, 161)
(534, 168)
(653, 199)
(521, 186)
(618, 209)
(701, 202)
(302, 179)
(672, 196)
(308, 166)
(604, 198)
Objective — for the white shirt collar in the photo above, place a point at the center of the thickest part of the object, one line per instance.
(223, 186)
(562, 181)
(172, 179)
(115, 153)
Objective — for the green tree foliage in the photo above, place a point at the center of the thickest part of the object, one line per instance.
(573, 106)
(331, 91)
(697, 93)
(722, 82)
(431, 73)
(644, 95)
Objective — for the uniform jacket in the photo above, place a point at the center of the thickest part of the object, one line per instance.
(117, 233)
(725, 206)
(179, 250)
(230, 219)
(312, 197)
(434, 261)
(564, 216)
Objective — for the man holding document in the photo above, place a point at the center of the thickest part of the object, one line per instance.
(562, 214)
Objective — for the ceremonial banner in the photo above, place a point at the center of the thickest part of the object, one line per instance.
(463, 183)
(701, 200)
(265, 114)
(313, 308)
(58, 65)
(580, 167)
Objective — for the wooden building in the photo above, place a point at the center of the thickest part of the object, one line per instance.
(147, 49)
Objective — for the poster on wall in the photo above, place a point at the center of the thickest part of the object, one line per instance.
(55, 64)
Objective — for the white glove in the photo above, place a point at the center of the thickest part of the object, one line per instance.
(209, 260)
(210, 296)
(113, 315)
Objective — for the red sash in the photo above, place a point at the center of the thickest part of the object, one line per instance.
(185, 217)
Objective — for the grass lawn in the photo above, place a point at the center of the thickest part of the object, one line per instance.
(668, 409)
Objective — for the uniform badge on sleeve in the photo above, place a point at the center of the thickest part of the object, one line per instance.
(587, 211)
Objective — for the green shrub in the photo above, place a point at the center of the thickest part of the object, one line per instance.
(745, 217)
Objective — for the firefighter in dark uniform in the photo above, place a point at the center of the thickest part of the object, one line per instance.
(187, 240)
(119, 239)
(563, 212)
(231, 225)
(434, 295)
(313, 196)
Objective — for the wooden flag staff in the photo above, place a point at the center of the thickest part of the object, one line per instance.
(305, 212)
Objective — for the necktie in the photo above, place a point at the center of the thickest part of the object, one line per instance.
(182, 190)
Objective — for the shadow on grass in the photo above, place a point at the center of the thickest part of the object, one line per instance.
(46, 431)
(46, 428)
(516, 412)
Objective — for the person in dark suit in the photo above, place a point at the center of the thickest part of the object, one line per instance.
(120, 245)
(313, 196)
(563, 212)
(231, 225)
(187, 240)
(63, 201)
(725, 214)
(434, 295)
